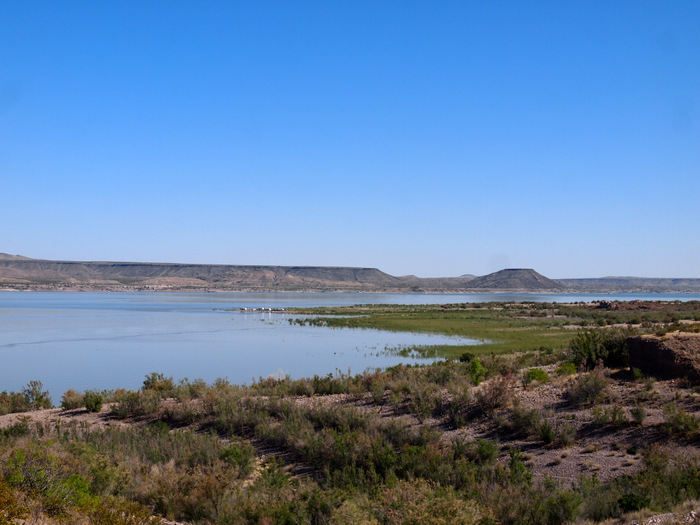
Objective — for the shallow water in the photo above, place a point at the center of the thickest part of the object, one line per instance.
(93, 340)
(113, 340)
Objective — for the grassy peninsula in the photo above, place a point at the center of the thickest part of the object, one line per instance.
(546, 424)
(505, 327)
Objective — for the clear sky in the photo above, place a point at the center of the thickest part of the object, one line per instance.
(418, 137)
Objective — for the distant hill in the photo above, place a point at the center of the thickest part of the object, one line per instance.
(8, 257)
(516, 279)
(22, 273)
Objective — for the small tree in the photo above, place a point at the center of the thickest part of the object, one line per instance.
(35, 395)
(158, 382)
(477, 371)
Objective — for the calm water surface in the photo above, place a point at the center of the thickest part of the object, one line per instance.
(112, 340)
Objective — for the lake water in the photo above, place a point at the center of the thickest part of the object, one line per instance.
(89, 340)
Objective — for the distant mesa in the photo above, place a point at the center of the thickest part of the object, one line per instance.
(24, 273)
(515, 279)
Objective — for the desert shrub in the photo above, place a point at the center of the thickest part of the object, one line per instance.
(691, 328)
(459, 408)
(600, 501)
(425, 400)
(40, 474)
(546, 432)
(566, 434)
(187, 390)
(93, 401)
(71, 400)
(485, 451)
(588, 388)
(11, 509)
(118, 511)
(328, 385)
(519, 473)
(354, 511)
(241, 455)
(679, 422)
(441, 373)
(158, 383)
(497, 393)
(500, 364)
(130, 403)
(557, 506)
(535, 374)
(466, 357)
(126, 404)
(613, 415)
(554, 432)
(664, 480)
(419, 501)
(524, 421)
(18, 429)
(638, 413)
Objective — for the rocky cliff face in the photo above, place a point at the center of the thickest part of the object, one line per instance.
(674, 355)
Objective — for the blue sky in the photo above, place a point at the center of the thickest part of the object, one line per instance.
(417, 137)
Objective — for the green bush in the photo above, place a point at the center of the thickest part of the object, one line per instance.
(93, 401)
(565, 369)
(477, 372)
(535, 374)
(486, 451)
(609, 346)
(546, 432)
(633, 502)
(466, 357)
